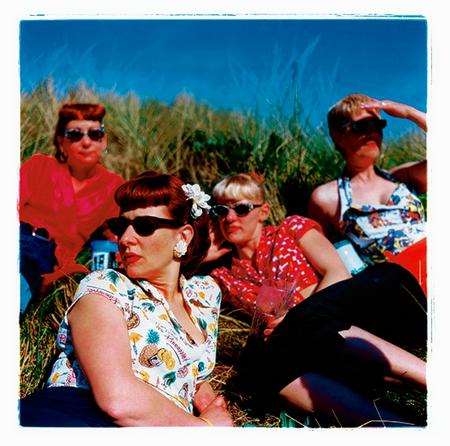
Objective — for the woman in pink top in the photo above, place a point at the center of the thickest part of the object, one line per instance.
(64, 198)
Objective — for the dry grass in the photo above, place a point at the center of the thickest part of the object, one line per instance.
(200, 145)
(38, 351)
(203, 145)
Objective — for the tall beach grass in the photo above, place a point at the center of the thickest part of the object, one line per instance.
(201, 145)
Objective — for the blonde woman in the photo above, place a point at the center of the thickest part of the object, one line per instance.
(338, 330)
(378, 211)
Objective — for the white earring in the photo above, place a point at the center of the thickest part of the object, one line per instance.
(179, 250)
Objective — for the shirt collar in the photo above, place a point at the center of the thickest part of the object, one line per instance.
(148, 287)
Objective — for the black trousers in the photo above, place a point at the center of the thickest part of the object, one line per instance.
(62, 407)
(385, 299)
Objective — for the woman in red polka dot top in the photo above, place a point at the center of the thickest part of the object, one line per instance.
(327, 337)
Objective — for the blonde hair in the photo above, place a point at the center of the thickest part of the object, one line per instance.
(341, 112)
(239, 187)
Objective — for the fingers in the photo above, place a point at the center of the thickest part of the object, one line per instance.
(375, 104)
(224, 250)
(271, 322)
(219, 401)
(390, 107)
(202, 403)
(267, 332)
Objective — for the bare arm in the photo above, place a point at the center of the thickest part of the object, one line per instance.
(323, 207)
(398, 110)
(323, 257)
(102, 347)
(414, 173)
(218, 247)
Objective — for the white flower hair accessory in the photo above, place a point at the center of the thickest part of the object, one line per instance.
(198, 197)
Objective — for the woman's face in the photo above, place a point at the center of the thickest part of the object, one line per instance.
(87, 150)
(240, 230)
(148, 257)
(360, 146)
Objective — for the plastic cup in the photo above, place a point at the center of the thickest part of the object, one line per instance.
(272, 302)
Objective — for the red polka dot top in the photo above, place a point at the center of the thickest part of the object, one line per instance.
(278, 257)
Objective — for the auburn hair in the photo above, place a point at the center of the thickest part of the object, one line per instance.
(75, 112)
(152, 188)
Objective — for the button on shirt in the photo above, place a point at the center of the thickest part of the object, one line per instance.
(163, 354)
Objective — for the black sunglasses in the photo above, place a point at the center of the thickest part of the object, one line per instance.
(241, 209)
(76, 135)
(366, 125)
(143, 226)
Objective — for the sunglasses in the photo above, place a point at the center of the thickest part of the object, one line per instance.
(143, 226)
(76, 135)
(241, 209)
(367, 125)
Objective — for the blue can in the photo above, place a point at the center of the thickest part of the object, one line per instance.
(103, 254)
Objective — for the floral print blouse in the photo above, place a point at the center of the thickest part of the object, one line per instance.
(162, 352)
(374, 229)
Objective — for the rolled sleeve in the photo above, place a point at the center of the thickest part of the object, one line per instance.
(107, 283)
(296, 226)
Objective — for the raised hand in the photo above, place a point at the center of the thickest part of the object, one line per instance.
(218, 247)
(397, 110)
(390, 107)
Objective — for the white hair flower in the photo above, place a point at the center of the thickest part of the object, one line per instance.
(198, 197)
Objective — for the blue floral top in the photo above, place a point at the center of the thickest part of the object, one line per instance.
(374, 229)
(162, 352)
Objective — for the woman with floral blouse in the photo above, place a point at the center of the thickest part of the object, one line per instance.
(137, 347)
(378, 211)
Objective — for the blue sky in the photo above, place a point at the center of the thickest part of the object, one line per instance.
(245, 65)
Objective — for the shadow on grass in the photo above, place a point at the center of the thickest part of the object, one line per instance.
(390, 398)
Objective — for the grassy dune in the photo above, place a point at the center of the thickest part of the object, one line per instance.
(200, 145)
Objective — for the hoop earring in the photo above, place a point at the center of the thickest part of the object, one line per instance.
(179, 250)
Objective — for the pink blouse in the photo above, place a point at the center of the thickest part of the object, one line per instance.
(47, 199)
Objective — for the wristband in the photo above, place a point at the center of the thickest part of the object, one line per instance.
(206, 421)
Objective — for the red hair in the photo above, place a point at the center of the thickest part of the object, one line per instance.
(75, 112)
(155, 189)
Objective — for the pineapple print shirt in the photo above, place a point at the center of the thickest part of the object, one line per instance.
(162, 352)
